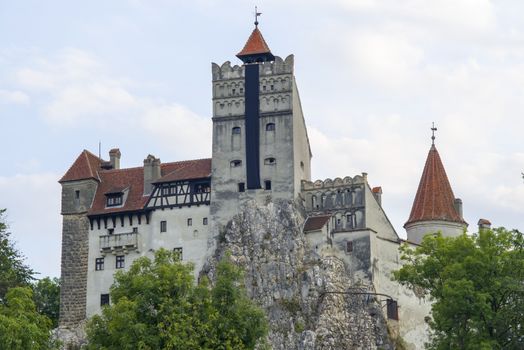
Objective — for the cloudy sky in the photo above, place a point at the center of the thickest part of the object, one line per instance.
(373, 75)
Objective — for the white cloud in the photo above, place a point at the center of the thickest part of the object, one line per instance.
(16, 97)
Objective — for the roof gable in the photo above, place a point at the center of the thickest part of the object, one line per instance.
(314, 223)
(86, 166)
(435, 198)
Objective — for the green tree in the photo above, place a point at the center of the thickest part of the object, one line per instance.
(157, 305)
(476, 283)
(13, 271)
(46, 294)
(21, 326)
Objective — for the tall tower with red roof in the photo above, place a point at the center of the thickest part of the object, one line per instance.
(435, 207)
(260, 143)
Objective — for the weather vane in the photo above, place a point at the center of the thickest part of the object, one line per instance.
(256, 16)
(433, 129)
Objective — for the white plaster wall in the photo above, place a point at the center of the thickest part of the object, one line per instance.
(195, 245)
(416, 231)
(412, 311)
(376, 218)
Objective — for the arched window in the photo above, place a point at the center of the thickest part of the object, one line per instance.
(235, 163)
(270, 161)
(270, 127)
(236, 130)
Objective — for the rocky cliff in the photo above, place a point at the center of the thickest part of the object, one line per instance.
(310, 301)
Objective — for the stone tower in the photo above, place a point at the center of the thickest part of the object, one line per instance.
(79, 185)
(260, 142)
(435, 207)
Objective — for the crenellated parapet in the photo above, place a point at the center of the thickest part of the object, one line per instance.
(344, 198)
(227, 72)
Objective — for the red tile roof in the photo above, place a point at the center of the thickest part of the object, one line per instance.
(133, 180)
(314, 223)
(84, 167)
(188, 170)
(254, 45)
(377, 189)
(434, 199)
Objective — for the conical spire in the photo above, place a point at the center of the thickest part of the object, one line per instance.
(255, 49)
(434, 200)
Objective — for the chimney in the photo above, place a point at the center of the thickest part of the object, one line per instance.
(151, 172)
(377, 193)
(114, 158)
(484, 224)
(457, 203)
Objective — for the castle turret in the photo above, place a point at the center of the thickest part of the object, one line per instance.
(79, 185)
(435, 207)
(260, 143)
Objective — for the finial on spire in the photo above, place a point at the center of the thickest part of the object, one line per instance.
(256, 16)
(433, 129)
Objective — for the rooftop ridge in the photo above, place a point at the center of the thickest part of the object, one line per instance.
(162, 165)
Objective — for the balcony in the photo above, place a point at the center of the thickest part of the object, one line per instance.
(121, 242)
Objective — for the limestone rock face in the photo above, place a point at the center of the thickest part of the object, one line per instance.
(309, 300)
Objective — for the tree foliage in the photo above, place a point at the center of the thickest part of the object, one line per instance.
(13, 271)
(46, 294)
(21, 326)
(157, 305)
(477, 285)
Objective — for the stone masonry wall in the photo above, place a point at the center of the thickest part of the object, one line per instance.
(75, 247)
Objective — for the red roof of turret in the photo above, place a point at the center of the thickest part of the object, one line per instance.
(255, 45)
(434, 199)
(85, 167)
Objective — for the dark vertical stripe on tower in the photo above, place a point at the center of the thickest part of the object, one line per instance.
(251, 84)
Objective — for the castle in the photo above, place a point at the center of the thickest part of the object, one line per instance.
(260, 151)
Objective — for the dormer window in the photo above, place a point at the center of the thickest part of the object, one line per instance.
(114, 200)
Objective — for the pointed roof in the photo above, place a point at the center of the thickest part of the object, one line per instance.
(255, 48)
(434, 199)
(86, 166)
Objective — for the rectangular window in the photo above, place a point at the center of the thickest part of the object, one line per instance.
(267, 185)
(349, 246)
(104, 299)
(204, 221)
(392, 309)
(135, 229)
(99, 264)
(77, 194)
(241, 187)
(113, 201)
(163, 226)
(189, 222)
(178, 253)
(120, 261)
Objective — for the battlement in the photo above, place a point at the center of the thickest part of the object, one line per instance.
(228, 72)
(337, 182)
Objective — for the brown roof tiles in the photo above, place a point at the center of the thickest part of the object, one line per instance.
(254, 45)
(132, 179)
(314, 223)
(84, 167)
(434, 199)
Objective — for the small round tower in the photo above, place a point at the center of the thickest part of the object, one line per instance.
(435, 208)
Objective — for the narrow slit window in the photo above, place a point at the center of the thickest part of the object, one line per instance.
(189, 222)
(163, 226)
(204, 221)
(236, 163)
(241, 187)
(270, 161)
